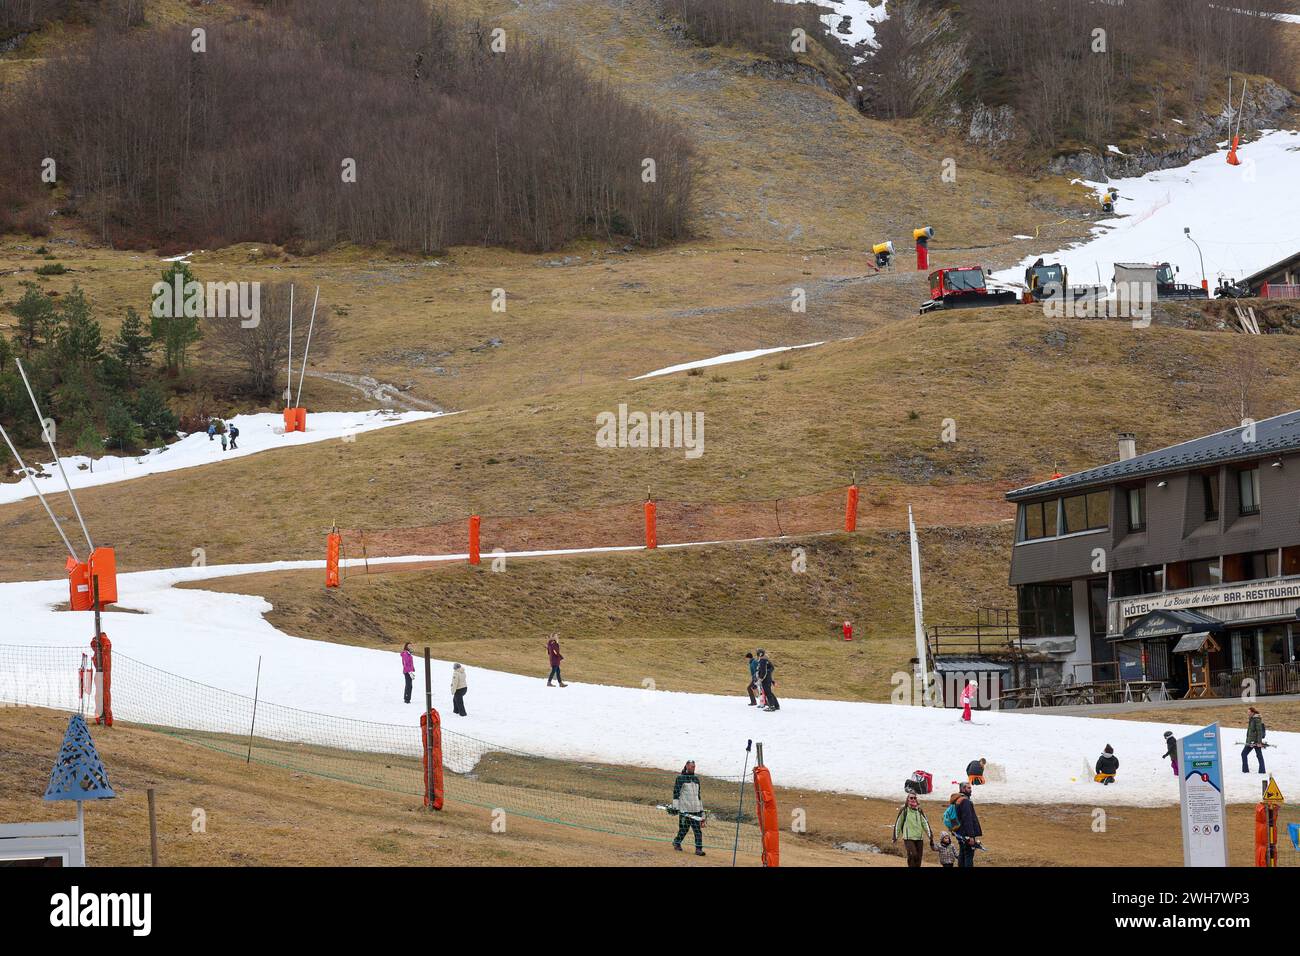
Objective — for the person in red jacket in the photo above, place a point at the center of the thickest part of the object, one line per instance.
(553, 653)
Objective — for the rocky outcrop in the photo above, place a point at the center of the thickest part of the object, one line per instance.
(1267, 105)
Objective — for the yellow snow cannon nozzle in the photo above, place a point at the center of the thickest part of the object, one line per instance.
(923, 234)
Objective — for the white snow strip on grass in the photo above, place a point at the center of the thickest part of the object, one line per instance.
(725, 359)
(851, 747)
(257, 433)
(1243, 217)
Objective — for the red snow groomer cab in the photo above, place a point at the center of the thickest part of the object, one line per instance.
(964, 287)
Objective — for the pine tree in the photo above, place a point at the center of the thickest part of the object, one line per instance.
(123, 432)
(79, 339)
(36, 320)
(132, 345)
(157, 422)
(170, 326)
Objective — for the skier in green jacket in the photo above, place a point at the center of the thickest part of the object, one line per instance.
(1254, 740)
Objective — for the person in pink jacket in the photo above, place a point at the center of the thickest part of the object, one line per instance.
(967, 696)
(408, 670)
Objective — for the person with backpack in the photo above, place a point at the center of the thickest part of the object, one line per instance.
(554, 656)
(950, 813)
(753, 679)
(234, 434)
(975, 771)
(1107, 764)
(689, 807)
(458, 686)
(1171, 750)
(968, 830)
(766, 679)
(912, 823)
(408, 670)
(1255, 731)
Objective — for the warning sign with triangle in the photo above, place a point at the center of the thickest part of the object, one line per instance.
(1272, 792)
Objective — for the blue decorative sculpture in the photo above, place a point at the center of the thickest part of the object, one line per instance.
(78, 773)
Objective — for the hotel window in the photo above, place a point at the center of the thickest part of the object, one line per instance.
(1147, 580)
(1046, 610)
(1211, 483)
(1205, 573)
(1258, 565)
(1088, 512)
(1137, 510)
(1039, 520)
(1248, 489)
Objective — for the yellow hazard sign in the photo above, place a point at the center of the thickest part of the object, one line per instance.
(1273, 793)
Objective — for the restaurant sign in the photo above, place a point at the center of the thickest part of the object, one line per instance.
(1211, 597)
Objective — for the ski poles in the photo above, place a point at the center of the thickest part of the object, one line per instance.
(740, 809)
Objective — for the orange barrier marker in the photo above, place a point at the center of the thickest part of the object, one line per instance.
(300, 418)
(851, 509)
(765, 801)
(332, 560)
(290, 420)
(102, 654)
(473, 539)
(432, 781)
(1232, 152)
(1261, 834)
(651, 531)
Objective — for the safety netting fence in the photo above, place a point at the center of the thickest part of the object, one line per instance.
(1288, 835)
(627, 524)
(590, 795)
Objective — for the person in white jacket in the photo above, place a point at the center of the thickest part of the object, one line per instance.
(458, 688)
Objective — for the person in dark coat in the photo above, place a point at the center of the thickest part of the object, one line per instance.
(554, 656)
(234, 434)
(753, 676)
(689, 806)
(766, 679)
(1107, 764)
(1254, 740)
(1171, 750)
(975, 771)
(968, 830)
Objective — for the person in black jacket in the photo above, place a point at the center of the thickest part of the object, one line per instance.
(1171, 749)
(975, 771)
(968, 830)
(1107, 764)
(765, 680)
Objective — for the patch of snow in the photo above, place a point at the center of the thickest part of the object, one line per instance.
(1018, 236)
(862, 16)
(1116, 150)
(725, 359)
(257, 433)
(1239, 215)
(845, 746)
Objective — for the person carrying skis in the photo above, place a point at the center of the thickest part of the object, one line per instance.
(1255, 731)
(234, 434)
(968, 830)
(458, 686)
(689, 807)
(408, 670)
(1107, 764)
(766, 679)
(753, 679)
(553, 654)
(975, 771)
(1171, 750)
(967, 695)
(912, 822)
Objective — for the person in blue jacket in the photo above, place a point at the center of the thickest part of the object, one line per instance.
(753, 679)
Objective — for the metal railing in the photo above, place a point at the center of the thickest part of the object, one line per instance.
(1264, 679)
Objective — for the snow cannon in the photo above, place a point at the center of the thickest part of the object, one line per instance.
(100, 568)
(1108, 199)
(884, 253)
(295, 420)
(923, 237)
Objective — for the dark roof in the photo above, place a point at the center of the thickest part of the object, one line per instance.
(1272, 435)
(1264, 273)
(1170, 622)
(946, 665)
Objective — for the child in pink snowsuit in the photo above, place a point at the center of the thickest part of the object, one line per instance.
(967, 694)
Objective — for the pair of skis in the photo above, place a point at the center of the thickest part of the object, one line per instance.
(701, 818)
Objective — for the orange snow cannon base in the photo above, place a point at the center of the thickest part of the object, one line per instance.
(651, 526)
(432, 781)
(332, 560)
